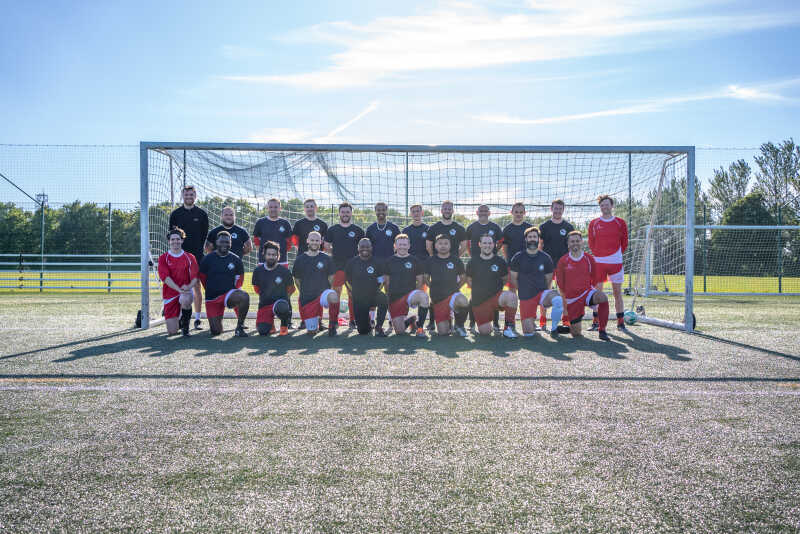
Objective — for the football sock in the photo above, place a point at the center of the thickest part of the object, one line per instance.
(410, 321)
(186, 314)
(542, 316)
(381, 315)
(602, 313)
(594, 314)
(470, 314)
(460, 316)
(555, 313)
(196, 316)
(620, 317)
(422, 313)
(333, 314)
(510, 315)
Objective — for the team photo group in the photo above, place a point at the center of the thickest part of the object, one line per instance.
(389, 271)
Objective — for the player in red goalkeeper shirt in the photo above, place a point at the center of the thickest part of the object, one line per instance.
(608, 240)
(178, 271)
(576, 276)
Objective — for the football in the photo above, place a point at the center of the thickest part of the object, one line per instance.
(630, 317)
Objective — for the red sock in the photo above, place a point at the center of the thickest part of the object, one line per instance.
(510, 315)
(542, 317)
(333, 314)
(602, 314)
(620, 318)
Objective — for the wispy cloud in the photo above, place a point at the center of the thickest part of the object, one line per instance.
(464, 36)
(372, 106)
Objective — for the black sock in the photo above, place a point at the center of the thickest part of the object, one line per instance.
(496, 321)
(471, 315)
(422, 313)
(460, 316)
(380, 316)
(186, 315)
(510, 324)
(410, 321)
(595, 320)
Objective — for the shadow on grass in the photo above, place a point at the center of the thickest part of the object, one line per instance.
(793, 357)
(102, 337)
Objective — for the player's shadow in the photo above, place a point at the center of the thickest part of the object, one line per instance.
(740, 345)
(110, 335)
(651, 346)
(153, 346)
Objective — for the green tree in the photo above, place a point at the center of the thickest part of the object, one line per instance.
(745, 252)
(730, 185)
(778, 178)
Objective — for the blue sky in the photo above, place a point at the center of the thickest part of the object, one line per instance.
(689, 72)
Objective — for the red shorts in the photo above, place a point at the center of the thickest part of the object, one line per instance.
(216, 307)
(613, 272)
(441, 309)
(576, 307)
(528, 307)
(172, 307)
(266, 314)
(484, 312)
(313, 308)
(339, 279)
(399, 307)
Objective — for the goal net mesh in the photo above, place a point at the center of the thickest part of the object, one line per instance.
(649, 188)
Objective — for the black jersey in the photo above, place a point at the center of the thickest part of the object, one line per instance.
(194, 222)
(444, 275)
(279, 231)
(487, 277)
(514, 238)
(453, 231)
(531, 269)
(303, 227)
(476, 230)
(220, 273)
(345, 243)
(239, 237)
(418, 235)
(363, 276)
(382, 238)
(272, 284)
(402, 274)
(554, 237)
(313, 273)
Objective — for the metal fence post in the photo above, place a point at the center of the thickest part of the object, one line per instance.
(780, 253)
(705, 249)
(108, 264)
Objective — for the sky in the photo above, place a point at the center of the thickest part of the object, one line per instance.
(710, 73)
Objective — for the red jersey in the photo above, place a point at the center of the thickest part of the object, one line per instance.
(575, 277)
(182, 269)
(608, 239)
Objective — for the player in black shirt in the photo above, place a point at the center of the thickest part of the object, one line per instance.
(445, 274)
(532, 272)
(417, 233)
(382, 232)
(274, 228)
(364, 275)
(342, 241)
(240, 239)
(449, 228)
(403, 277)
(554, 242)
(487, 273)
(222, 274)
(274, 283)
(313, 271)
(474, 232)
(308, 224)
(514, 232)
(193, 220)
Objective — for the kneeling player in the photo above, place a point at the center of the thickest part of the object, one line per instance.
(446, 275)
(274, 283)
(532, 273)
(222, 274)
(576, 275)
(364, 275)
(178, 271)
(487, 274)
(313, 271)
(403, 279)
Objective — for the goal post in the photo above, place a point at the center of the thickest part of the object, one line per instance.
(652, 185)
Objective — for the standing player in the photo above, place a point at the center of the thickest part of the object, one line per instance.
(577, 274)
(193, 220)
(514, 232)
(178, 271)
(608, 240)
(403, 276)
(364, 275)
(382, 232)
(554, 236)
(532, 274)
(417, 233)
(273, 283)
(450, 229)
(474, 232)
(313, 271)
(222, 274)
(487, 273)
(306, 225)
(342, 241)
(240, 239)
(446, 275)
(273, 228)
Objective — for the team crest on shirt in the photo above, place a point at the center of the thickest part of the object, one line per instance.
(494, 267)
(231, 266)
(370, 269)
(351, 234)
(424, 234)
(452, 231)
(541, 267)
(234, 235)
(450, 265)
(278, 279)
(281, 229)
(491, 232)
(320, 265)
(563, 231)
(389, 233)
(316, 228)
(196, 219)
(408, 265)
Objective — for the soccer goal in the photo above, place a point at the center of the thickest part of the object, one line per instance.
(652, 187)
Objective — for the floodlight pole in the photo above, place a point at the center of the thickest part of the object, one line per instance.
(688, 311)
(144, 235)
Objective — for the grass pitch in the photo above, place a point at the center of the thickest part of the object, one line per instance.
(106, 428)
